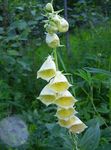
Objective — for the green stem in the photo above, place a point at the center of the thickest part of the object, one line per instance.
(55, 57)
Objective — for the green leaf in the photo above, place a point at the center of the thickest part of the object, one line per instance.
(96, 70)
(105, 147)
(1, 30)
(13, 53)
(90, 139)
(1, 18)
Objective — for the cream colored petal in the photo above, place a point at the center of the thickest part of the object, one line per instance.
(47, 96)
(47, 70)
(65, 100)
(59, 83)
(65, 114)
(52, 40)
(78, 128)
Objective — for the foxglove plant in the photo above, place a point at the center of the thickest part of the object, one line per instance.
(56, 91)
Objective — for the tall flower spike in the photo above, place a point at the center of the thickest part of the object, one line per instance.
(52, 40)
(65, 114)
(65, 100)
(47, 70)
(47, 96)
(59, 83)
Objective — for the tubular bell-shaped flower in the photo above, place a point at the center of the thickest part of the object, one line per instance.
(78, 128)
(65, 100)
(47, 96)
(59, 83)
(65, 114)
(47, 70)
(74, 124)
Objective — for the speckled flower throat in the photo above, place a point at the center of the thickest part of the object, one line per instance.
(56, 91)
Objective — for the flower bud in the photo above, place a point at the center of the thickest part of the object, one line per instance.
(51, 28)
(56, 18)
(47, 70)
(59, 83)
(65, 114)
(65, 100)
(63, 25)
(52, 40)
(49, 7)
(47, 96)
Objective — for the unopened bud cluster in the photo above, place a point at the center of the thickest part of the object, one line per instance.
(56, 91)
(54, 24)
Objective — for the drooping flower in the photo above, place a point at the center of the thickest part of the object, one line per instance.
(74, 124)
(47, 96)
(52, 40)
(67, 123)
(65, 100)
(59, 83)
(63, 25)
(65, 114)
(47, 70)
(78, 128)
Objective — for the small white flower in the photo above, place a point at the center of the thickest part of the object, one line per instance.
(59, 83)
(47, 70)
(47, 96)
(52, 40)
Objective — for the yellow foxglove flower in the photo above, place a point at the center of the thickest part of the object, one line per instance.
(65, 100)
(73, 122)
(63, 25)
(78, 128)
(67, 123)
(52, 40)
(47, 70)
(65, 114)
(59, 83)
(47, 96)
(49, 7)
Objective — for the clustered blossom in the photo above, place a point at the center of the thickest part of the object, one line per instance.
(56, 91)
(54, 24)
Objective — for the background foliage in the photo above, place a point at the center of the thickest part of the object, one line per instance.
(23, 50)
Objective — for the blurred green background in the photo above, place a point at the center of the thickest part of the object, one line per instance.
(88, 59)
